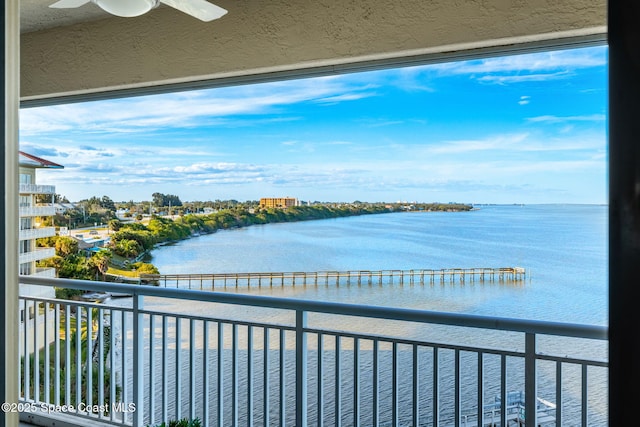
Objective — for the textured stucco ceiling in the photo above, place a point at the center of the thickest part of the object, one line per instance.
(84, 52)
(36, 15)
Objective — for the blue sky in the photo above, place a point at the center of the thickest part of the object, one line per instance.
(516, 129)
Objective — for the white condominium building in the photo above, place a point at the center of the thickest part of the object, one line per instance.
(32, 215)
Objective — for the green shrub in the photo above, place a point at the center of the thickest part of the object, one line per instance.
(185, 422)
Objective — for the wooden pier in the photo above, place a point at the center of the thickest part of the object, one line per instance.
(317, 278)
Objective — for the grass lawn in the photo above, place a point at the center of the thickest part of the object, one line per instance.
(120, 272)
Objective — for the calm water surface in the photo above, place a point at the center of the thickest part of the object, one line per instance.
(562, 247)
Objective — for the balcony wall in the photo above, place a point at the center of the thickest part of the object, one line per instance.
(37, 233)
(45, 272)
(37, 189)
(37, 255)
(33, 211)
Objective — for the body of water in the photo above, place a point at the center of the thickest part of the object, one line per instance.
(562, 247)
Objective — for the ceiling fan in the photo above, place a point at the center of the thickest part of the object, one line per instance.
(200, 9)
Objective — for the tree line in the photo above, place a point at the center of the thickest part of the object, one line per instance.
(130, 240)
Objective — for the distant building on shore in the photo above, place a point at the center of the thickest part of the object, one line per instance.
(278, 202)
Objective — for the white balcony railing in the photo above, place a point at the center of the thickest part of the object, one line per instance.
(33, 211)
(233, 359)
(37, 233)
(37, 255)
(37, 189)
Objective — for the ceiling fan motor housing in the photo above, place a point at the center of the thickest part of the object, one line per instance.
(127, 8)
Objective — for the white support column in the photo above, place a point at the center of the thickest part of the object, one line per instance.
(9, 210)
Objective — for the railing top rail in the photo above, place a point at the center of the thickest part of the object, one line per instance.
(380, 312)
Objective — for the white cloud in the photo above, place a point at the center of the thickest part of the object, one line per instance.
(345, 97)
(527, 68)
(565, 119)
(501, 142)
(184, 109)
(523, 78)
(554, 60)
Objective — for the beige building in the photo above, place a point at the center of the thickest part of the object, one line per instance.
(278, 202)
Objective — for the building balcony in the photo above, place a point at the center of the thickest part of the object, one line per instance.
(37, 189)
(37, 255)
(161, 354)
(34, 211)
(45, 272)
(37, 233)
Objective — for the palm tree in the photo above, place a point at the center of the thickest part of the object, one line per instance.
(100, 260)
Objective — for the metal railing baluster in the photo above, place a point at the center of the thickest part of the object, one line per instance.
(457, 389)
(320, 384)
(584, 415)
(559, 393)
(221, 393)
(56, 370)
(234, 374)
(67, 359)
(375, 383)
(480, 389)
(36, 354)
(301, 368)
(47, 360)
(88, 358)
(338, 385)
(101, 371)
(530, 380)
(266, 364)
(112, 364)
(192, 369)
(124, 378)
(503, 390)
(250, 376)
(165, 368)
(394, 387)
(283, 388)
(436, 387)
(205, 373)
(356, 382)
(152, 376)
(78, 355)
(415, 387)
(138, 360)
(178, 368)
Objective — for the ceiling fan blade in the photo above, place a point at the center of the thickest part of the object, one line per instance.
(201, 9)
(67, 4)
